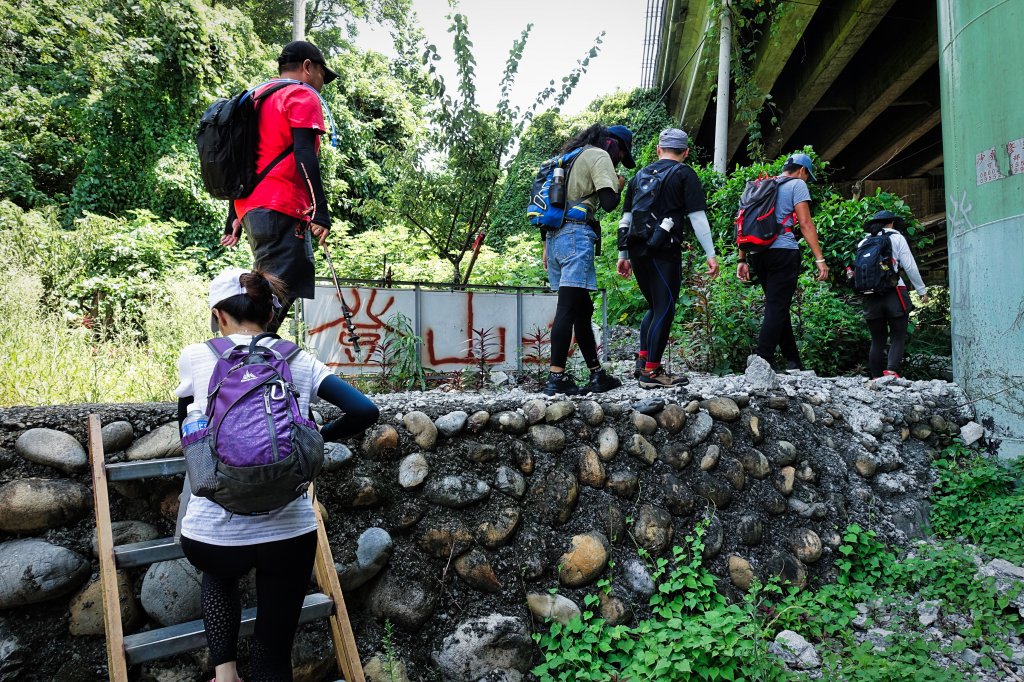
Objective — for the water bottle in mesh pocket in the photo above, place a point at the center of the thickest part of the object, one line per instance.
(200, 463)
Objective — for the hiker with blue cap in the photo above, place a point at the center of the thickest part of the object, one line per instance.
(571, 246)
(777, 265)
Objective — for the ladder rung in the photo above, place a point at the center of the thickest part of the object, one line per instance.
(184, 637)
(146, 553)
(150, 468)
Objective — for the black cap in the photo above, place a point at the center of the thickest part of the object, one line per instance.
(299, 51)
(886, 217)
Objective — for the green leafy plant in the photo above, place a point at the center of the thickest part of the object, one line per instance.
(976, 497)
(482, 345)
(537, 353)
(397, 356)
(693, 634)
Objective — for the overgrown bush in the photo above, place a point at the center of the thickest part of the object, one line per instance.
(976, 497)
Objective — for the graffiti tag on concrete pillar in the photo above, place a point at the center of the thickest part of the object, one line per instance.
(960, 212)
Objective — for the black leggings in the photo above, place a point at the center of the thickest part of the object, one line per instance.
(891, 331)
(283, 570)
(573, 313)
(659, 282)
(778, 271)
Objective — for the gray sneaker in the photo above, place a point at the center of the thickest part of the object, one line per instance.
(660, 378)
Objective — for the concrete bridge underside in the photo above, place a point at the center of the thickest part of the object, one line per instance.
(857, 79)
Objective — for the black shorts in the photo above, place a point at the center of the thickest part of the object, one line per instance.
(891, 304)
(282, 245)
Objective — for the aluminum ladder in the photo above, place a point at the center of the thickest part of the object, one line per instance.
(151, 645)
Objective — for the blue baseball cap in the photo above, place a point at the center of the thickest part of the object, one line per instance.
(625, 136)
(802, 160)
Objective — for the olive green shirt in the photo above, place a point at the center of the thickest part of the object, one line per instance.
(592, 170)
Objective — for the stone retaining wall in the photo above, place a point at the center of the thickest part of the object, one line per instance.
(459, 514)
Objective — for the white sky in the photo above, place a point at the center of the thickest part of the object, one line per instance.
(563, 32)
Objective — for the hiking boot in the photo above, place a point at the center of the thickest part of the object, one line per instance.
(794, 365)
(660, 378)
(639, 364)
(600, 382)
(890, 373)
(561, 382)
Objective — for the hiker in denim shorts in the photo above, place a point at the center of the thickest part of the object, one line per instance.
(569, 253)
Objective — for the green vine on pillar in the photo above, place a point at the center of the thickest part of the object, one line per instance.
(753, 21)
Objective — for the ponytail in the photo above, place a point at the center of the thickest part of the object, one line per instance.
(263, 294)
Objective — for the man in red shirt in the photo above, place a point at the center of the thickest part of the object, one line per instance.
(290, 198)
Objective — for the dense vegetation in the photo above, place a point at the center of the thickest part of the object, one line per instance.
(697, 634)
(107, 234)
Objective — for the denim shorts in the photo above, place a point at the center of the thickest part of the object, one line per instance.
(571, 257)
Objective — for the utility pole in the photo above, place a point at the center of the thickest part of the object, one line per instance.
(298, 19)
(722, 106)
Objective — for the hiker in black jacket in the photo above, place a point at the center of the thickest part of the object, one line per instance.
(654, 254)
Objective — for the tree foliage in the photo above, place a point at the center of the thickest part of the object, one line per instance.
(99, 106)
(450, 182)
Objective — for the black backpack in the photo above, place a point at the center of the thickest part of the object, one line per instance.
(646, 190)
(873, 268)
(756, 226)
(227, 140)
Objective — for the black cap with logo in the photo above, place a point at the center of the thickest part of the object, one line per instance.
(299, 51)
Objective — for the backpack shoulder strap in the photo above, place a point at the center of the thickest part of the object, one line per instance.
(287, 150)
(270, 90)
(286, 349)
(220, 346)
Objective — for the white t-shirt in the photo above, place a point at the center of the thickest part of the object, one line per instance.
(207, 521)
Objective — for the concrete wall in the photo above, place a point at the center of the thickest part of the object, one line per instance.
(983, 131)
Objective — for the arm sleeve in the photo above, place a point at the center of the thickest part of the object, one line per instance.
(907, 263)
(627, 206)
(702, 228)
(308, 166)
(608, 197)
(232, 215)
(359, 412)
(623, 234)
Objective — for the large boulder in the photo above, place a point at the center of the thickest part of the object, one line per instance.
(33, 571)
(31, 505)
(171, 592)
(53, 449)
(480, 646)
(157, 444)
(86, 609)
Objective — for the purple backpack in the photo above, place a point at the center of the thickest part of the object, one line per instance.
(258, 452)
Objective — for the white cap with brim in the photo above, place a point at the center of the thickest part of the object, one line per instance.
(225, 285)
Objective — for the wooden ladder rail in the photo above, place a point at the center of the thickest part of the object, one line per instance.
(345, 650)
(116, 662)
(174, 639)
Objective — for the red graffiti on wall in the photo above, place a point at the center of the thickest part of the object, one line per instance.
(371, 307)
(370, 331)
(492, 341)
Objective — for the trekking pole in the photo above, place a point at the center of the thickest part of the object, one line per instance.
(353, 337)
